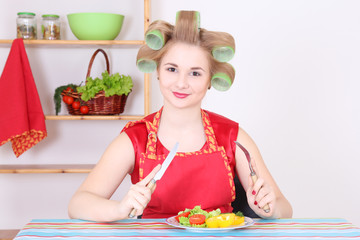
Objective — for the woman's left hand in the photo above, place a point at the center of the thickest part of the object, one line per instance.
(259, 195)
(265, 190)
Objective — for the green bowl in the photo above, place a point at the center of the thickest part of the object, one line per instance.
(95, 26)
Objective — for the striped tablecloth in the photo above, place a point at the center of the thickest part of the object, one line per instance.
(158, 229)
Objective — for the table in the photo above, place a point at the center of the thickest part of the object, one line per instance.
(158, 229)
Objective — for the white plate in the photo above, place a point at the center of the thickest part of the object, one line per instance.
(172, 221)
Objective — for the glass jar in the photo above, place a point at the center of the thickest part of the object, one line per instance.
(50, 27)
(26, 25)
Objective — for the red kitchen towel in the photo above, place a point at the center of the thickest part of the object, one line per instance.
(22, 119)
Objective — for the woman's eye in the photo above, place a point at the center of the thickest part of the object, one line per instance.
(171, 69)
(196, 74)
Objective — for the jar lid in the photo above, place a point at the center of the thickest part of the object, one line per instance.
(50, 16)
(26, 13)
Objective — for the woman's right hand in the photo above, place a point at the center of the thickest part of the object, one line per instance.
(139, 195)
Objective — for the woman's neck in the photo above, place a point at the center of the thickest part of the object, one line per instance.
(182, 125)
(180, 118)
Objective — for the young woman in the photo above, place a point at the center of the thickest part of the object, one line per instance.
(203, 170)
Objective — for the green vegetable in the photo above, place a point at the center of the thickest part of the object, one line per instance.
(114, 84)
(184, 221)
(197, 210)
(240, 214)
(186, 210)
(199, 225)
(214, 213)
(57, 96)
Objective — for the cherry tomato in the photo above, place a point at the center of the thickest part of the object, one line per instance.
(69, 89)
(197, 219)
(76, 105)
(69, 100)
(184, 214)
(84, 109)
(65, 98)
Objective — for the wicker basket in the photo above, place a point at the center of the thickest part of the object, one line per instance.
(99, 105)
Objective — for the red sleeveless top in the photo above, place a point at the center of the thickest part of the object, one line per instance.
(204, 177)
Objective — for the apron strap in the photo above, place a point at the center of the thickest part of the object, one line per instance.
(209, 131)
(152, 128)
(213, 146)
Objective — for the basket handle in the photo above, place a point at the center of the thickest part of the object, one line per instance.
(92, 60)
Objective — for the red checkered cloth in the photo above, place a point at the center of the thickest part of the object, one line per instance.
(22, 119)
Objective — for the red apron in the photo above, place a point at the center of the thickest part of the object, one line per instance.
(201, 178)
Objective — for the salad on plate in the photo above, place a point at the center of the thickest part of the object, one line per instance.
(200, 218)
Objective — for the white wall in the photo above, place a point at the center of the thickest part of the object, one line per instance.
(295, 93)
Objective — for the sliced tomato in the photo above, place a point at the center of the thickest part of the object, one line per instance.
(184, 214)
(197, 219)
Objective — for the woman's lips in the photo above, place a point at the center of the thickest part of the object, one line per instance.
(180, 95)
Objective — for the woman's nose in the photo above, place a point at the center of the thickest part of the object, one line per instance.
(182, 81)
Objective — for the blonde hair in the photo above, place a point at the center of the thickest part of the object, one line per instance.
(187, 30)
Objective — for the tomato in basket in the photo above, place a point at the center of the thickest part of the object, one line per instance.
(68, 99)
(76, 105)
(84, 109)
(65, 98)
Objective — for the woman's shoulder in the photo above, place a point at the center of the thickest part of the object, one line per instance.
(138, 133)
(137, 125)
(221, 120)
(226, 132)
(137, 130)
(225, 129)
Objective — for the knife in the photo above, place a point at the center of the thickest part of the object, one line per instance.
(160, 173)
(253, 175)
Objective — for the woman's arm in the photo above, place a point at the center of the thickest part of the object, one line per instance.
(91, 200)
(265, 190)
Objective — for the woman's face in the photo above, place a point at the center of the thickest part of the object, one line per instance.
(184, 75)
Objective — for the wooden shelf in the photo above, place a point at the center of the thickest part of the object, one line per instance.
(76, 42)
(92, 117)
(78, 168)
(47, 168)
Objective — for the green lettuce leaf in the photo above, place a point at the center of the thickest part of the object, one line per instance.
(184, 221)
(214, 213)
(198, 210)
(186, 210)
(114, 84)
(240, 214)
(199, 226)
